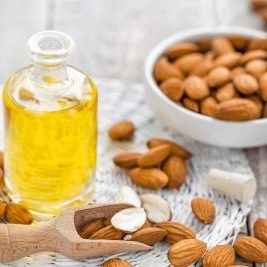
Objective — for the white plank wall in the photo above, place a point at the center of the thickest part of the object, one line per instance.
(114, 37)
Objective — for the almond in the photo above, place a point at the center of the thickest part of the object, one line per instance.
(258, 103)
(91, 227)
(181, 49)
(236, 71)
(18, 214)
(127, 195)
(154, 156)
(151, 178)
(202, 69)
(196, 88)
(238, 265)
(175, 148)
(257, 44)
(2, 159)
(116, 262)
(221, 45)
(204, 210)
(260, 230)
(176, 170)
(228, 60)
(149, 236)
(121, 131)
(218, 77)
(219, 256)
(2, 209)
(226, 92)
(237, 109)
(263, 86)
(246, 84)
(254, 54)
(204, 45)
(165, 70)
(191, 104)
(186, 252)
(127, 160)
(258, 3)
(188, 62)
(109, 233)
(176, 231)
(2, 181)
(239, 42)
(208, 106)
(256, 67)
(251, 249)
(264, 111)
(172, 88)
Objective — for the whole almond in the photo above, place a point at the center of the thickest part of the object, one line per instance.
(91, 227)
(236, 71)
(2, 209)
(109, 233)
(187, 63)
(176, 149)
(204, 210)
(238, 265)
(196, 88)
(149, 236)
(202, 69)
(186, 252)
(256, 99)
(263, 86)
(237, 109)
(256, 67)
(219, 256)
(150, 178)
(239, 42)
(221, 45)
(127, 160)
(246, 84)
(218, 77)
(2, 159)
(181, 49)
(257, 44)
(254, 54)
(204, 45)
(191, 104)
(208, 106)
(228, 60)
(165, 70)
(2, 181)
(176, 170)
(260, 230)
(251, 249)
(176, 231)
(15, 213)
(154, 156)
(116, 262)
(121, 131)
(226, 92)
(172, 88)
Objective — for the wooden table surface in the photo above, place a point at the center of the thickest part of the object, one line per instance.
(114, 36)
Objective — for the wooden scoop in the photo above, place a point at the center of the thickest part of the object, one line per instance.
(60, 235)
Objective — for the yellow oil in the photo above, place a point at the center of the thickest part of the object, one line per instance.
(50, 150)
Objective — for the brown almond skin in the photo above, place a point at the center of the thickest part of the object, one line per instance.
(176, 149)
(256, 99)
(196, 88)
(154, 156)
(254, 54)
(204, 210)
(164, 70)
(122, 131)
(109, 233)
(246, 84)
(251, 249)
(256, 44)
(202, 69)
(218, 77)
(2, 181)
(175, 168)
(204, 45)
(239, 42)
(260, 230)
(237, 109)
(186, 252)
(149, 236)
(208, 106)
(181, 49)
(236, 71)
(228, 60)
(2, 210)
(263, 86)
(116, 262)
(256, 67)
(226, 92)
(150, 178)
(15, 213)
(221, 45)
(219, 256)
(172, 88)
(91, 227)
(191, 104)
(127, 160)
(176, 231)
(2, 159)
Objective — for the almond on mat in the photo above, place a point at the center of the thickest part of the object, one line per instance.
(127, 160)
(204, 210)
(121, 131)
(116, 262)
(260, 230)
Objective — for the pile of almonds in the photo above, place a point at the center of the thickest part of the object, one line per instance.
(224, 77)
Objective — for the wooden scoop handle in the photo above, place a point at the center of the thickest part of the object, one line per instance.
(18, 241)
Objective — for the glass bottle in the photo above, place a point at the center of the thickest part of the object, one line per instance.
(50, 136)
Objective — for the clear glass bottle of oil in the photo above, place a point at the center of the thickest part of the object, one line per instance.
(50, 114)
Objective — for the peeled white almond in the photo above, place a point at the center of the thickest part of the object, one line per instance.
(239, 186)
(129, 220)
(157, 208)
(127, 195)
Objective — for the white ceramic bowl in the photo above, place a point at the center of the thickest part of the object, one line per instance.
(200, 127)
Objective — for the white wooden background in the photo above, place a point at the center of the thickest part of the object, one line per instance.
(114, 36)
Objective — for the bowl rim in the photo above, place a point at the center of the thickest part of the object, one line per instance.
(197, 33)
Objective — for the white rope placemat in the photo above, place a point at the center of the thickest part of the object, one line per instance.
(122, 100)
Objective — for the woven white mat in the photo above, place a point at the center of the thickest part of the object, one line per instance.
(122, 100)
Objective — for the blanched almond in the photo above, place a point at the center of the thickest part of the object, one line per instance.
(256, 67)
(263, 86)
(208, 106)
(246, 84)
(253, 54)
(172, 88)
(218, 77)
(196, 88)
(127, 195)
(121, 131)
(221, 45)
(127, 160)
(228, 60)
(181, 49)
(226, 92)
(191, 104)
